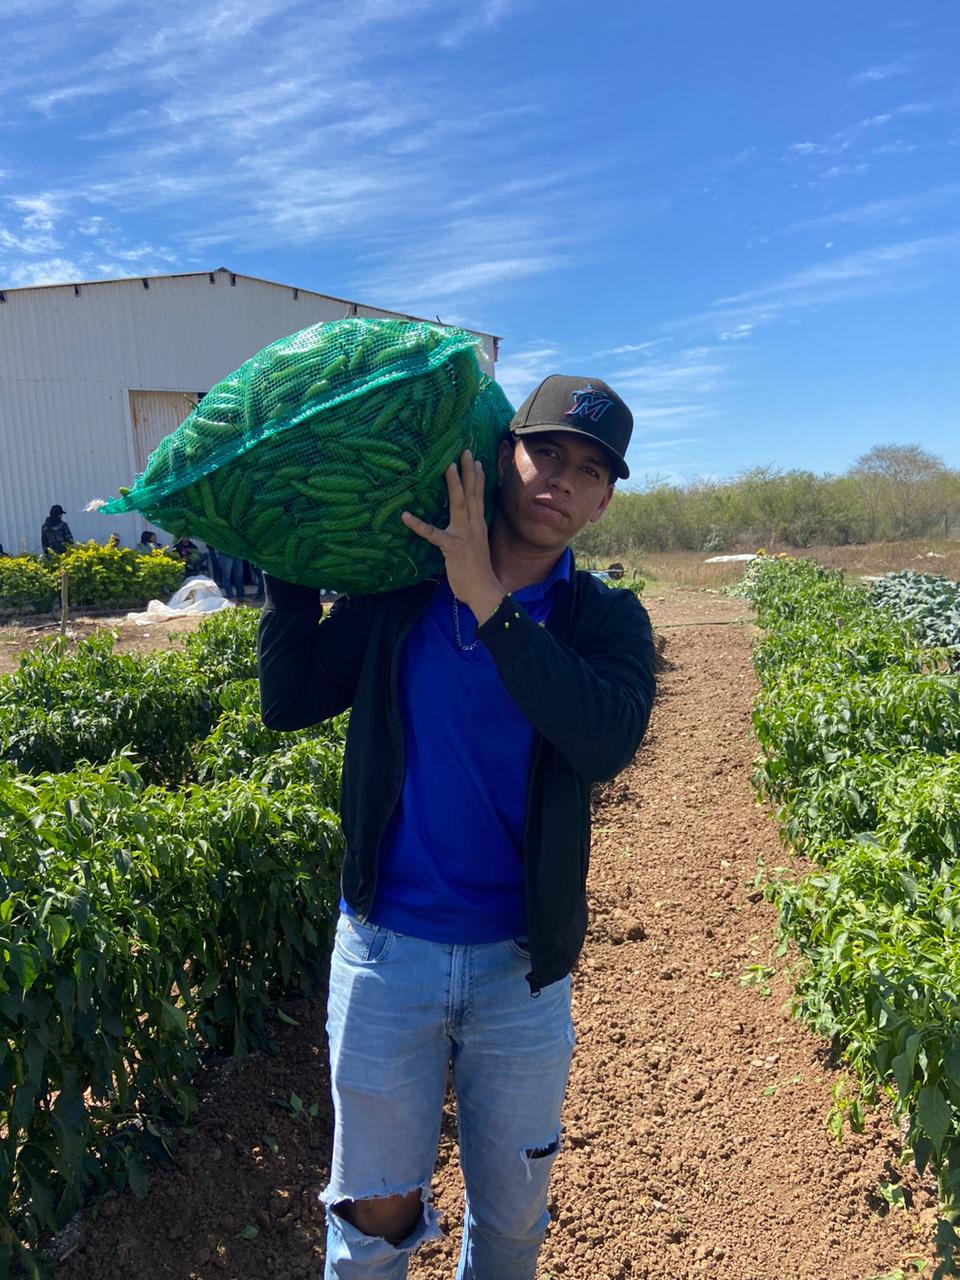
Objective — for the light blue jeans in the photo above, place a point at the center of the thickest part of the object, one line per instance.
(403, 1013)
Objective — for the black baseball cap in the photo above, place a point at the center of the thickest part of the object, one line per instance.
(57, 510)
(583, 406)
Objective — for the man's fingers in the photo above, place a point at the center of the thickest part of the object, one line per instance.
(420, 527)
(455, 488)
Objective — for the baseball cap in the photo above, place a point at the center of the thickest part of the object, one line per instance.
(584, 407)
(57, 510)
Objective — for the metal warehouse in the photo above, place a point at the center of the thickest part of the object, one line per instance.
(94, 375)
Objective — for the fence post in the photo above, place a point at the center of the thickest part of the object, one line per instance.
(64, 600)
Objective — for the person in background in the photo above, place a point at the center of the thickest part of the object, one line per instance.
(55, 535)
(3, 554)
(194, 560)
(148, 542)
(231, 576)
(114, 540)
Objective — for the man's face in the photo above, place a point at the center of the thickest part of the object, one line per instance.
(552, 485)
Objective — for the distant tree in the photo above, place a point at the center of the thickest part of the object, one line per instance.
(903, 488)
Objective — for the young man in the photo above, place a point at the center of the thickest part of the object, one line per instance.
(483, 708)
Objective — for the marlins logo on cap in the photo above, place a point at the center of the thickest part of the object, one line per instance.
(588, 403)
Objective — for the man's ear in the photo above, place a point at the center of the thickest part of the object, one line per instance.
(604, 503)
(504, 455)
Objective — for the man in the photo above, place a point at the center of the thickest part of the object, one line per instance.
(55, 535)
(483, 708)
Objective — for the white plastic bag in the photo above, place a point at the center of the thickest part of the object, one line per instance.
(197, 595)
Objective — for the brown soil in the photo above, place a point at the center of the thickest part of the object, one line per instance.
(695, 1135)
(16, 638)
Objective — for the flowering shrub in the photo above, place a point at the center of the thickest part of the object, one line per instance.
(26, 583)
(98, 576)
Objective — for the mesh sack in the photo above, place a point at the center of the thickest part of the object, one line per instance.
(302, 459)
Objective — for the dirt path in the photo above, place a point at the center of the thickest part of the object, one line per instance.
(695, 1135)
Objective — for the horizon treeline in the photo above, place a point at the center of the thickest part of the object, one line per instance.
(892, 492)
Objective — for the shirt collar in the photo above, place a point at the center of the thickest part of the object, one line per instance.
(556, 580)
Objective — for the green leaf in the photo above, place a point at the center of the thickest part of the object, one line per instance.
(210, 984)
(173, 1018)
(136, 1175)
(934, 1114)
(249, 1232)
(285, 1017)
(58, 928)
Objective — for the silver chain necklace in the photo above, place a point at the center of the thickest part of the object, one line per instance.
(464, 648)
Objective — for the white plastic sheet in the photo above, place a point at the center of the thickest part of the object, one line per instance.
(727, 559)
(197, 595)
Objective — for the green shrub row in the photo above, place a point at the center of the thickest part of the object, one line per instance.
(66, 703)
(138, 927)
(99, 576)
(860, 734)
(167, 867)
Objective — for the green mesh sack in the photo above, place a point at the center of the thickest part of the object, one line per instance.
(302, 460)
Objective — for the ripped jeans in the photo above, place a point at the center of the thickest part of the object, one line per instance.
(404, 1013)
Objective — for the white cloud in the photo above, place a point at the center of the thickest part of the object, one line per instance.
(28, 243)
(630, 347)
(843, 171)
(47, 271)
(39, 212)
(477, 18)
(863, 272)
(899, 67)
(896, 209)
(518, 372)
(695, 371)
(843, 139)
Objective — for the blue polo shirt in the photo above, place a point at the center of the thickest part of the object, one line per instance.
(451, 866)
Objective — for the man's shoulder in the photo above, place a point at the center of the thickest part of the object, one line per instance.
(607, 602)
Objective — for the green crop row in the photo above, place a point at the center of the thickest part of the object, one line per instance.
(138, 927)
(167, 867)
(859, 726)
(65, 704)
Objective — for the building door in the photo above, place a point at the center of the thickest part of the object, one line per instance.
(154, 414)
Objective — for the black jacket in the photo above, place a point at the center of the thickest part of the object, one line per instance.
(585, 681)
(55, 535)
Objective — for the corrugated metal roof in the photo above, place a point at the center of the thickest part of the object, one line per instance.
(239, 275)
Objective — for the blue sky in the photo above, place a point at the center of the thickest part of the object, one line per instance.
(745, 216)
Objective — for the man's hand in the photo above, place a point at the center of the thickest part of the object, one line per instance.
(465, 542)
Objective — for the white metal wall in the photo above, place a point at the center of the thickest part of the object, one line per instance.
(70, 355)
